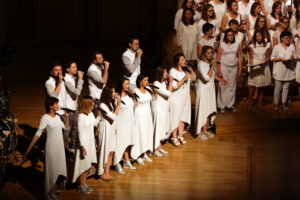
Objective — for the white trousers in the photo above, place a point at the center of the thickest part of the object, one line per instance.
(281, 88)
(226, 93)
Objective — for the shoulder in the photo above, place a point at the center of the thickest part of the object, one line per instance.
(50, 80)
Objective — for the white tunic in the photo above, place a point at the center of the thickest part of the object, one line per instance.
(205, 96)
(180, 101)
(125, 128)
(86, 136)
(160, 111)
(187, 37)
(280, 71)
(244, 10)
(106, 137)
(55, 151)
(143, 125)
(220, 10)
(259, 76)
(61, 96)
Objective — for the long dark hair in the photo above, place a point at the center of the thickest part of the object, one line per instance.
(254, 41)
(204, 50)
(176, 58)
(159, 72)
(205, 10)
(50, 101)
(106, 98)
(253, 7)
(265, 30)
(139, 79)
(225, 35)
(185, 2)
(229, 4)
(119, 87)
(273, 9)
(192, 21)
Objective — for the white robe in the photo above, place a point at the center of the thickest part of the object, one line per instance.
(143, 125)
(180, 100)
(86, 136)
(107, 136)
(205, 96)
(160, 111)
(187, 37)
(125, 128)
(55, 164)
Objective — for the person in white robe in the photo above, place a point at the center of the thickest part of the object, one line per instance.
(107, 132)
(160, 110)
(86, 150)
(55, 165)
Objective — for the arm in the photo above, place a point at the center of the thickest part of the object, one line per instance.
(162, 92)
(224, 22)
(105, 74)
(248, 28)
(179, 36)
(204, 74)
(240, 61)
(263, 7)
(72, 89)
(199, 50)
(251, 56)
(112, 116)
(131, 67)
(220, 51)
(177, 19)
(53, 92)
(275, 40)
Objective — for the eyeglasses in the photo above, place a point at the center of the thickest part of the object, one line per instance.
(210, 10)
(262, 21)
(286, 37)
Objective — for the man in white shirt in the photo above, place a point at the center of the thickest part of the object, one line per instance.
(132, 61)
(73, 90)
(97, 78)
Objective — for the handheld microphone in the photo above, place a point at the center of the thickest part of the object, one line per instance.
(175, 80)
(59, 77)
(134, 94)
(117, 96)
(185, 68)
(151, 85)
(150, 91)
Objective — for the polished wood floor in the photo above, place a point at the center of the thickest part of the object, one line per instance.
(253, 156)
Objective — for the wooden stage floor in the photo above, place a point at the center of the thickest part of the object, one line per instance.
(253, 156)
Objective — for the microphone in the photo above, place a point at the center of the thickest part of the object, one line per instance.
(117, 96)
(59, 77)
(151, 85)
(185, 68)
(150, 91)
(134, 94)
(175, 80)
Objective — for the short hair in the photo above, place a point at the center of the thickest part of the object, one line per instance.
(50, 101)
(68, 65)
(159, 72)
(284, 34)
(233, 21)
(86, 105)
(130, 40)
(139, 79)
(206, 27)
(54, 64)
(226, 33)
(94, 54)
(253, 7)
(176, 58)
(204, 50)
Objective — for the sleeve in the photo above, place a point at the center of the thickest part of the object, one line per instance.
(162, 91)
(72, 89)
(50, 90)
(42, 126)
(131, 67)
(179, 34)
(203, 72)
(108, 113)
(174, 84)
(274, 53)
(95, 76)
(177, 19)
(81, 129)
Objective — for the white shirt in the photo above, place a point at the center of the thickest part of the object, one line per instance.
(61, 96)
(245, 10)
(96, 83)
(132, 65)
(72, 91)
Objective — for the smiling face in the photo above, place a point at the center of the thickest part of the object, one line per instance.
(208, 54)
(144, 82)
(181, 61)
(234, 7)
(55, 107)
(286, 40)
(257, 10)
(72, 70)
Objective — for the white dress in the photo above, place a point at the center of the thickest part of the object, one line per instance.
(86, 137)
(55, 164)
(187, 37)
(280, 71)
(106, 137)
(205, 96)
(259, 76)
(180, 100)
(220, 10)
(160, 111)
(125, 128)
(143, 125)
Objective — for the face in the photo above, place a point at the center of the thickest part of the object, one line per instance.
(99, 59)
(234, 6)
(286, 40)
(181, 61)
(189, 3)
(113, 94)
(278, 9)
(210, 32)
(165, 75)
(55, 107)
(144, 82)
(56, 70)
(210, 12)
(208, 54)
(285, 24)
(233, 26)
(230, 36)
(73, 69)
(125, 86)
(299, 8)
(134, 45)
(188, 15)
(262, 22)
(257, 10)
(258, 37)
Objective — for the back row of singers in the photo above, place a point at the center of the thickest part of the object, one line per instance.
(131, 124)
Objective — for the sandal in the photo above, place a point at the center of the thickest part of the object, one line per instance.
(175, 141)
(181, 139)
